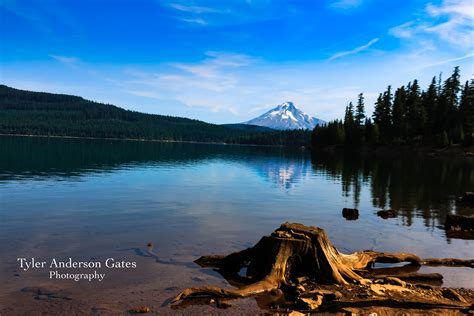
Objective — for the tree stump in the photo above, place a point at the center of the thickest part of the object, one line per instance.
(290, 252)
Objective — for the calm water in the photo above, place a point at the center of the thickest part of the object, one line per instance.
(98, 199)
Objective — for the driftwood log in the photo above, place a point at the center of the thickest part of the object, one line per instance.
(294, 252)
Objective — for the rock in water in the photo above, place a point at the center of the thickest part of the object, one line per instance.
(459, 223)
(387, 214)
(351, 214)
(468, 197)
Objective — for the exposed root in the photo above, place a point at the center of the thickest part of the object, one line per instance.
(449, 262)
(295, 252)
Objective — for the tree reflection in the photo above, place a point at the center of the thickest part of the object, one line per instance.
(416, 186)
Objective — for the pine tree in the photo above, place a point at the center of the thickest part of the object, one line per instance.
(430, 103)
(371, 132)
(416, 116)
(350, 128)
(349, 115)
(382, 114)
(466, 112)
(360, 110)
(399, 113)
(448, 103)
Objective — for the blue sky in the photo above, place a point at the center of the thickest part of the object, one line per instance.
(229, 61)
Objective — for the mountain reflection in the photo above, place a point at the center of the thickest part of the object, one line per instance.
(283, 171)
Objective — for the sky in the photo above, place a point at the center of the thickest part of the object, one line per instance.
(230, 61)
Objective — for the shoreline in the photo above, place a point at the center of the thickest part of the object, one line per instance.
(385, 150)
(144, 140)
(457, 151)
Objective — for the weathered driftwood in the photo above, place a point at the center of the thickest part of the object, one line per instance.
(449, 262)
(293, 250)
(294, 254)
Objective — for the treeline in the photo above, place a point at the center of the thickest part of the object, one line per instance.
(39, 113)
(295, 138)
(441, 115)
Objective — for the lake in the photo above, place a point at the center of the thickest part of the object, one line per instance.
(96, 199)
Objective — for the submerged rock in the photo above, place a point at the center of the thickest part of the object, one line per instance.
(387, 214)
(468, 197)
(459, 222)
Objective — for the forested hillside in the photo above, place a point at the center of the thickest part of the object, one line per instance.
(39, 113)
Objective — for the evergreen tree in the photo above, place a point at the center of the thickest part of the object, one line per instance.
(349, 116)
(430, 103)
(372, 133)
(466, 112)
(382, 114)
(350, 128)
(448, 103)
(360, 110)
(378, 110)
(399, 113)
(416, 116)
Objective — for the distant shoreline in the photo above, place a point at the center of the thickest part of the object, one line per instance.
(142, 140)
(385, 150)
(394, 150)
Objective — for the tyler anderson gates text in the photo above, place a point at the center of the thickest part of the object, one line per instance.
(56, 268)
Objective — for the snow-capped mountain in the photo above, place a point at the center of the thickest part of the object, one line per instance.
(286, 116)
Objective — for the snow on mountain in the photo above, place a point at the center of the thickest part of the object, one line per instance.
(286, 116)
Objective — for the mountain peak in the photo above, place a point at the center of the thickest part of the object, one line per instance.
(287, 104)
(285, 116)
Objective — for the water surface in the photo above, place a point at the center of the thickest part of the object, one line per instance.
(97, 199)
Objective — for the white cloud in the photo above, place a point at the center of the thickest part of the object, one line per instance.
(447, 61)
(65, 59)
(210, 84)
(355, 50)
(198, 21)
(345, 4)
(240, 87)
(405, 30)
(452, 21)
(464, 8)
(192, 9)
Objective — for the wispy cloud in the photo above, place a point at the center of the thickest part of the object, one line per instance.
(405, 30)
(198, 21)
(214, 64)
(207, 84)
(355, 50)
(65, 59)
(196, 14)
(240, 86)
(345, 4)
(447, 61)
(192, 8)
(42, 16)
(452, 21)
